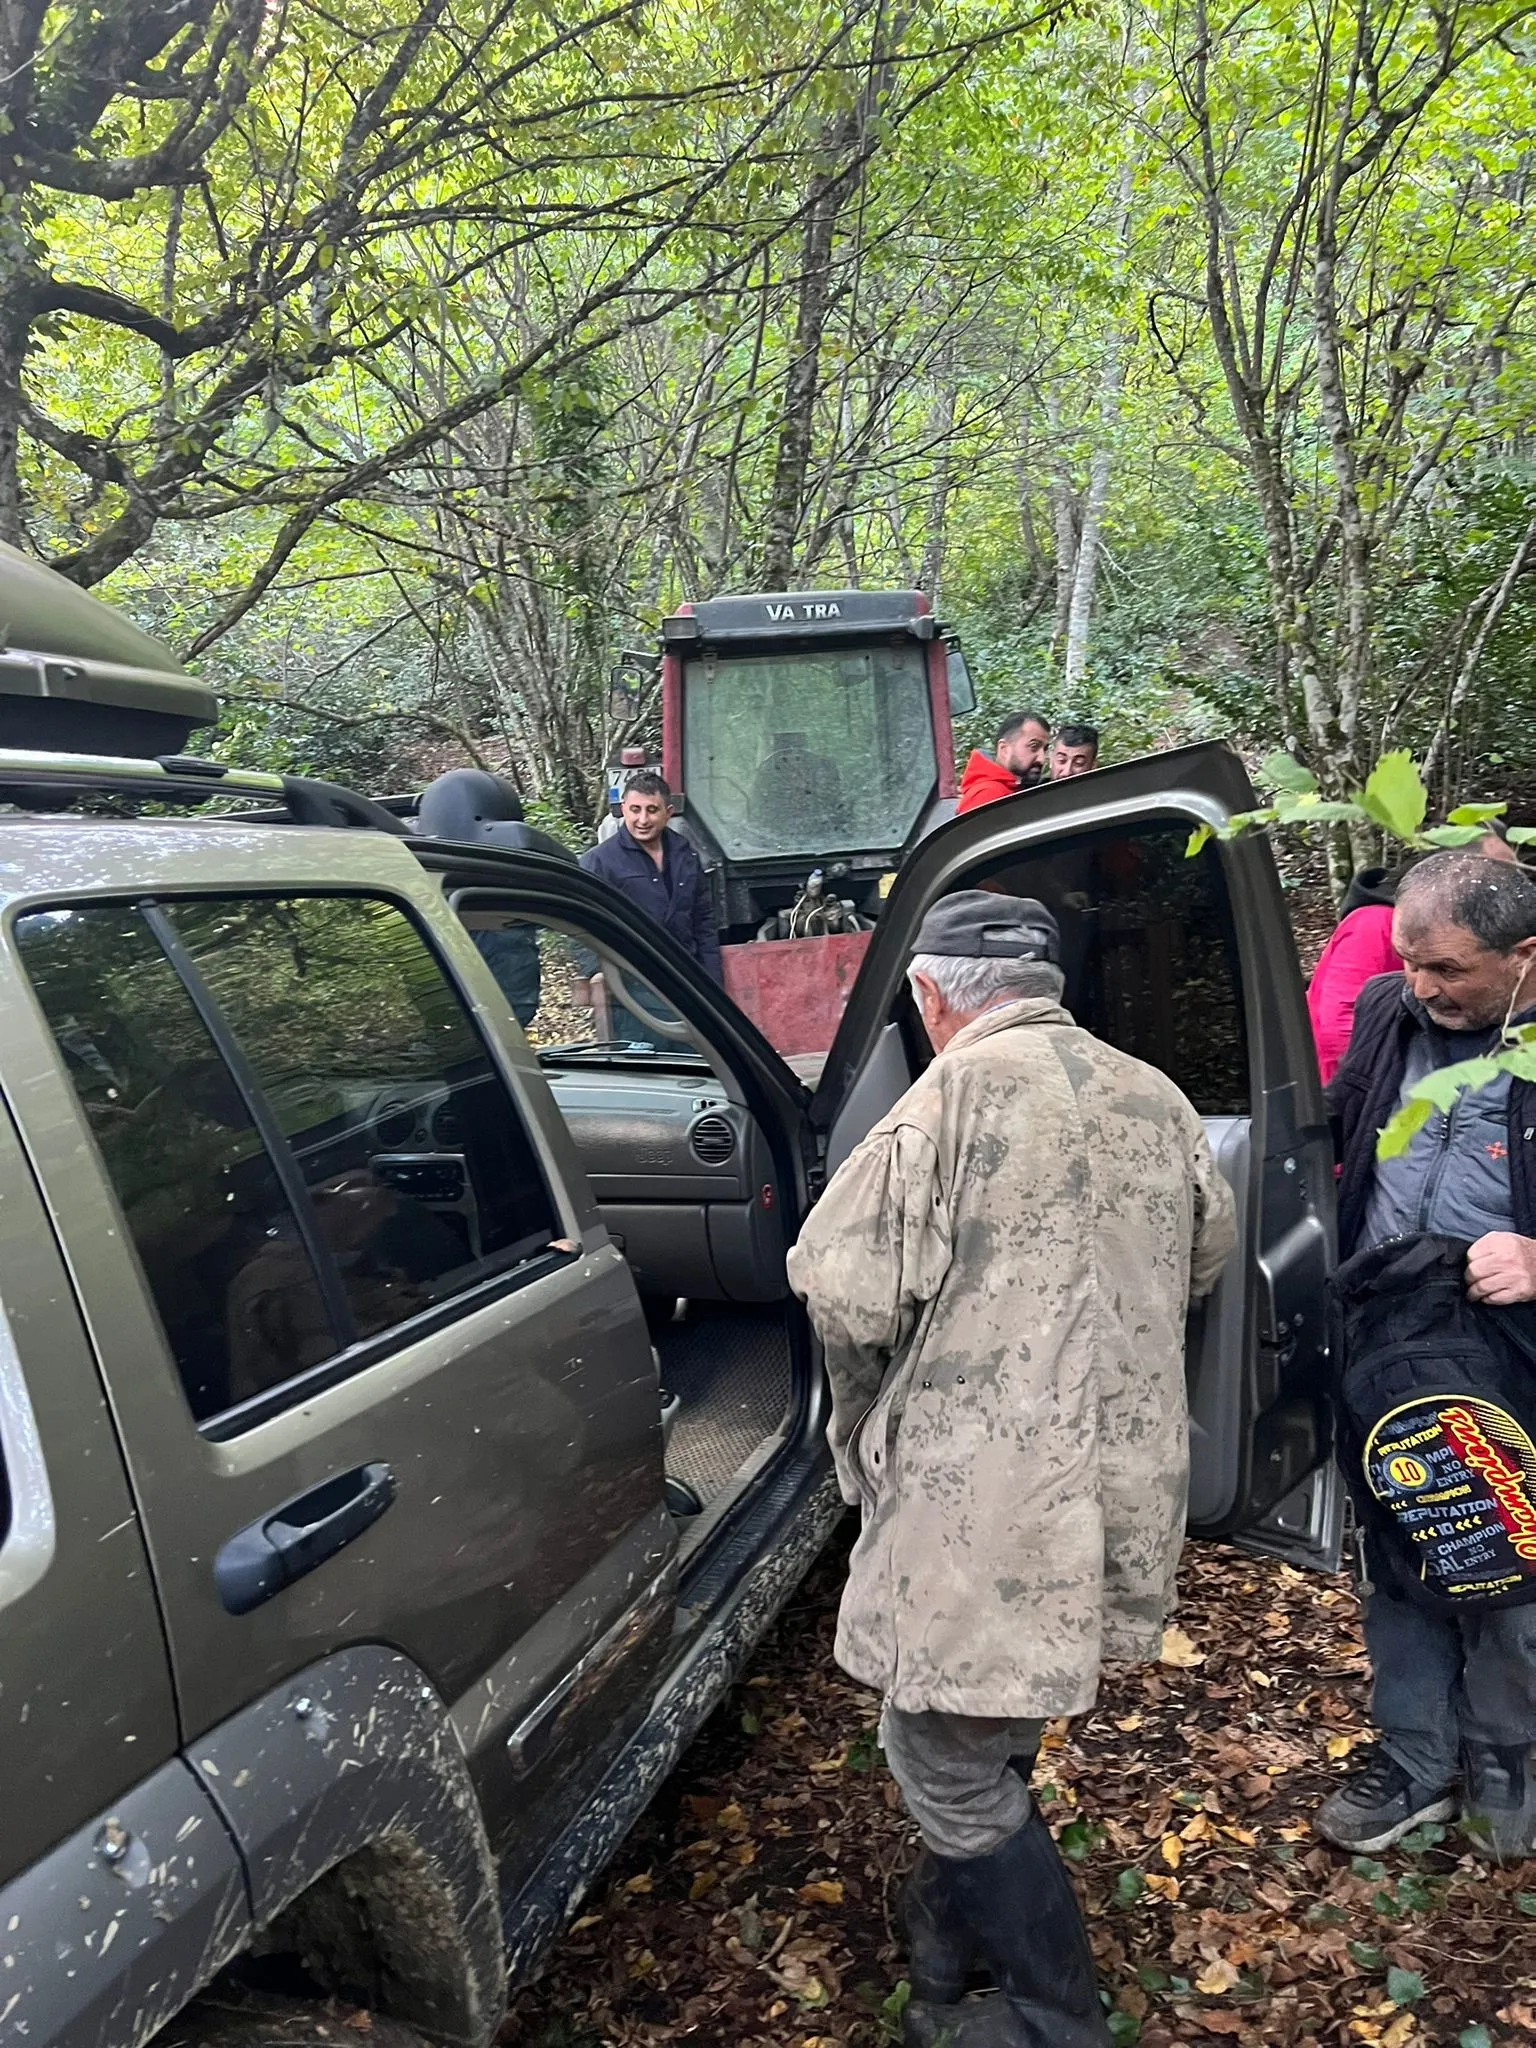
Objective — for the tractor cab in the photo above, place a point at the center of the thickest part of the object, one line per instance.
(810, 734)
(808, 730)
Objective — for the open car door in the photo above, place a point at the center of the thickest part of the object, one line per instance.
(1189, 964)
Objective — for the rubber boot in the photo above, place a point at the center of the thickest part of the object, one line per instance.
(1029, 1927)
(940, 1941)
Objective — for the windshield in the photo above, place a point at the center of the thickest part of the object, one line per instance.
(808, 752)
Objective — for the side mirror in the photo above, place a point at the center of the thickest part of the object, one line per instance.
(626, 684)
(962, 691)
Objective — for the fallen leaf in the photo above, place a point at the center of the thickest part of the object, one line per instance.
(1129, 1725)
(1215, 1978)
(1164, 1887)
(642, 1883)
(1178, 1650)
(826, 1891)
(1172, 1850)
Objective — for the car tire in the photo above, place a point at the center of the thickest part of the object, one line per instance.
(232, 2018)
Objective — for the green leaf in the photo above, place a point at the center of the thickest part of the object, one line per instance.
(1475, 814)
(1394, 794)
(1401, 1127)
(1283, 771)
(1151, 1978)
(1474, 2037)
(1197, 840)
(1367, 1866)
(1429, 1836)
(1130, 1885)
(1442, 1087)
(1364, 1954)
(1078, 1839)
(864, 1752)
(1525, 1902)
(1521, 835)
(1454, 835)
(1312, 810)
(1124, 2027)
(1246, 821)
(1404, 1987)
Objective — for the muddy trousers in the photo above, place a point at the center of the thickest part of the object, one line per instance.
(956, 1779)
(1445, 1681)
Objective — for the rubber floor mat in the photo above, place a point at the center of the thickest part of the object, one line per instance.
(730, 1368)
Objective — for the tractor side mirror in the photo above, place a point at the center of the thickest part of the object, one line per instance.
(962, 691)
(626, 685)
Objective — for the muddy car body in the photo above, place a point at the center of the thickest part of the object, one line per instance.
(406, 1430)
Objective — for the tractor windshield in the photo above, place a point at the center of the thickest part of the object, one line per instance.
(808, 752)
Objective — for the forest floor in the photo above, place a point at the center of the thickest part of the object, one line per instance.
(752, 1907)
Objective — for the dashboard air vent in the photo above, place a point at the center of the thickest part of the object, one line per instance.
(713, 1140)
(394, 1126)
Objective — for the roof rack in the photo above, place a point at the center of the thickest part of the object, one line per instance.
(38, 781)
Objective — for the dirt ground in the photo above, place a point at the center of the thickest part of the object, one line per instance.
(752, 1907)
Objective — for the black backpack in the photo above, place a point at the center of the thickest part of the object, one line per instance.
(1436, 1402)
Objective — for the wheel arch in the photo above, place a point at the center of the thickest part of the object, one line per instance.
(349, 1798)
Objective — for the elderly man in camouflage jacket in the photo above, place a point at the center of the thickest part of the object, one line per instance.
(999, 1276)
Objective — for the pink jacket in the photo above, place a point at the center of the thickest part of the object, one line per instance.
(1361, 947)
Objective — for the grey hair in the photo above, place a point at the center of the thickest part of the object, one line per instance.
(967, 983)
(1492, 899)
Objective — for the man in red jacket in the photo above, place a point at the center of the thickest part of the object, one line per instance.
(1021, 747)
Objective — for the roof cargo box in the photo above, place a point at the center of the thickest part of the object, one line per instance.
(77, 677)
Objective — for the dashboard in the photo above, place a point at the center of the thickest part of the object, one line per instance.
(683, 1178)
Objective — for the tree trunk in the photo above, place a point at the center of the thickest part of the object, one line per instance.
(1064, 526)
(936, 513)
(17, 271)
(797, 419)
(1085, 570)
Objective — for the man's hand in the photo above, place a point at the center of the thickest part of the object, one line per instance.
(1501, 1269)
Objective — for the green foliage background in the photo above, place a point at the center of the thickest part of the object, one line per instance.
(402, 370)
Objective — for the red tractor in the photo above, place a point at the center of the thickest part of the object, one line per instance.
(810, 736)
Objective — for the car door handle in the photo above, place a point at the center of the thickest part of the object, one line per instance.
(289, 1541)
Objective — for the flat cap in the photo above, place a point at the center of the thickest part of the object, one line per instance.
(976, 924)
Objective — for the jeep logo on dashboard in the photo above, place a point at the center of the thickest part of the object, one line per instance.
(782, 612)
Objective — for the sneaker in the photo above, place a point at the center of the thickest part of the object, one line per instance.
(1499, 1802)
(1378, 1804)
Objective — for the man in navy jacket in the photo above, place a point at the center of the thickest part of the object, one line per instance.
(658, 870)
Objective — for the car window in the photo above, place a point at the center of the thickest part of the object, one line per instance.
(422, 1177)
(325, 1027)
(1149, 950)
(200, 1195)
(576, 1004)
